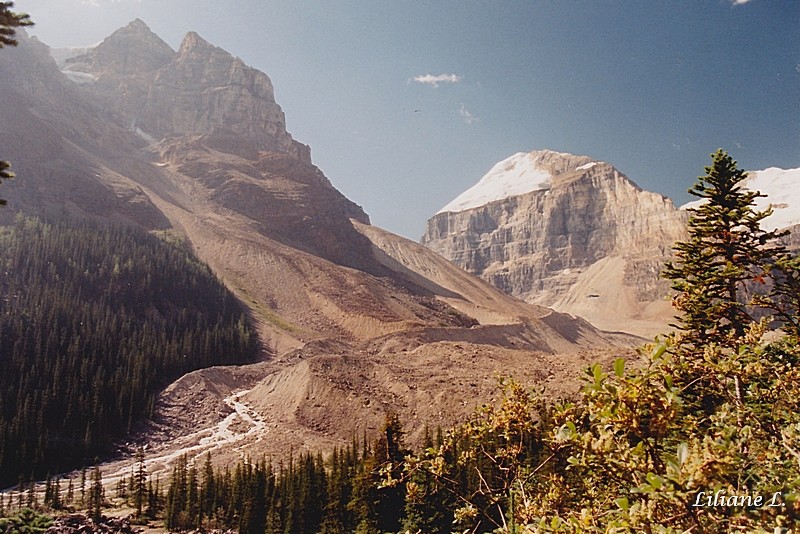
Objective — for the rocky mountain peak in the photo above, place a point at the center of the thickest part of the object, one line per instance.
(201, 90)
(521, 173)
(192, 41)
(564, 231)
(137, 25)
(129, 51)
(557, 162)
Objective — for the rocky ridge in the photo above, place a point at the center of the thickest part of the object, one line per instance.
(590, 243)
(200, 89)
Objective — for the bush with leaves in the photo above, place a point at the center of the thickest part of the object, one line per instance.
(25, 522)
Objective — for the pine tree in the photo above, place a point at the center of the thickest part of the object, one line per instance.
(208, 491)
(153, 498)
(139, 484)
(83, 486)
(32, 501)
(726, 259)
(55, 500)
(70, 493)
(722, 278)
(96, 494)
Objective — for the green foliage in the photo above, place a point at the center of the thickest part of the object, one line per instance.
(25, 522)
(722, 270)
(94, 321)
(9, 21)
(303, 496)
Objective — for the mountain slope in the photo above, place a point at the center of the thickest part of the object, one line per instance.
(354, 321)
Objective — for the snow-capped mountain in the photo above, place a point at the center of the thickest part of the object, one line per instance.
(577, 235)
(568, 232)
(513, 176)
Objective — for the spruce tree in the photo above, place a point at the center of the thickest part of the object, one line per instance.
(725, 261)
(139, 484)
(96, 494)
(723, 276)
(70, 493)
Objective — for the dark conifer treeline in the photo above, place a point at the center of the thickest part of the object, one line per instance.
(94, 321)
(358, 488)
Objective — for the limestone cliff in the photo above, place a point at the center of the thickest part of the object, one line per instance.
(579, 236)
(200, 89)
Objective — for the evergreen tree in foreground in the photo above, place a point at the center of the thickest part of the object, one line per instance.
(722, 269)
(9, 22)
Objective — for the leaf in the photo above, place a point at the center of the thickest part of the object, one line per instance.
(597, 373)
(683, 453)
(655, 481)
(622, 503)
(659, 350)
(619, 367)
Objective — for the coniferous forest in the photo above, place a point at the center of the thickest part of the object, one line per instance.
(94, 322)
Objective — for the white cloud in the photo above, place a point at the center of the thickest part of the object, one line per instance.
(468, 117)
(740, 2)
(435, 80)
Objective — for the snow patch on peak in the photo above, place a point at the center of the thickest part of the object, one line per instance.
(80, 78)
(513, 176)
(782, 187)
(587, 166)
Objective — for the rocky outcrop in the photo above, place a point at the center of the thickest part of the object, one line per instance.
(589, 242)
(200, 89)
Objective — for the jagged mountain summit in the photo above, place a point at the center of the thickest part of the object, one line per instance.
(355, 321)
(200, 89)
(565, 231)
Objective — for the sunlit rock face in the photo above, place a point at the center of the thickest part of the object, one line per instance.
(583, 238)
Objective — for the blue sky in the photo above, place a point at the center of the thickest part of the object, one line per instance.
(407, 104)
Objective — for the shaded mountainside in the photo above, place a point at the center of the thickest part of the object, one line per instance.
(354, 321)
(94, 322)
(581, 237)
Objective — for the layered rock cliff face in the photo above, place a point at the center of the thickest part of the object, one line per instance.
(583, 238)
(201, 89)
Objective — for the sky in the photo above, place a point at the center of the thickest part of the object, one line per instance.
(407, 104)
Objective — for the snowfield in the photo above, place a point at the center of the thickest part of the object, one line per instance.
(782, 187)
(512, 176)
